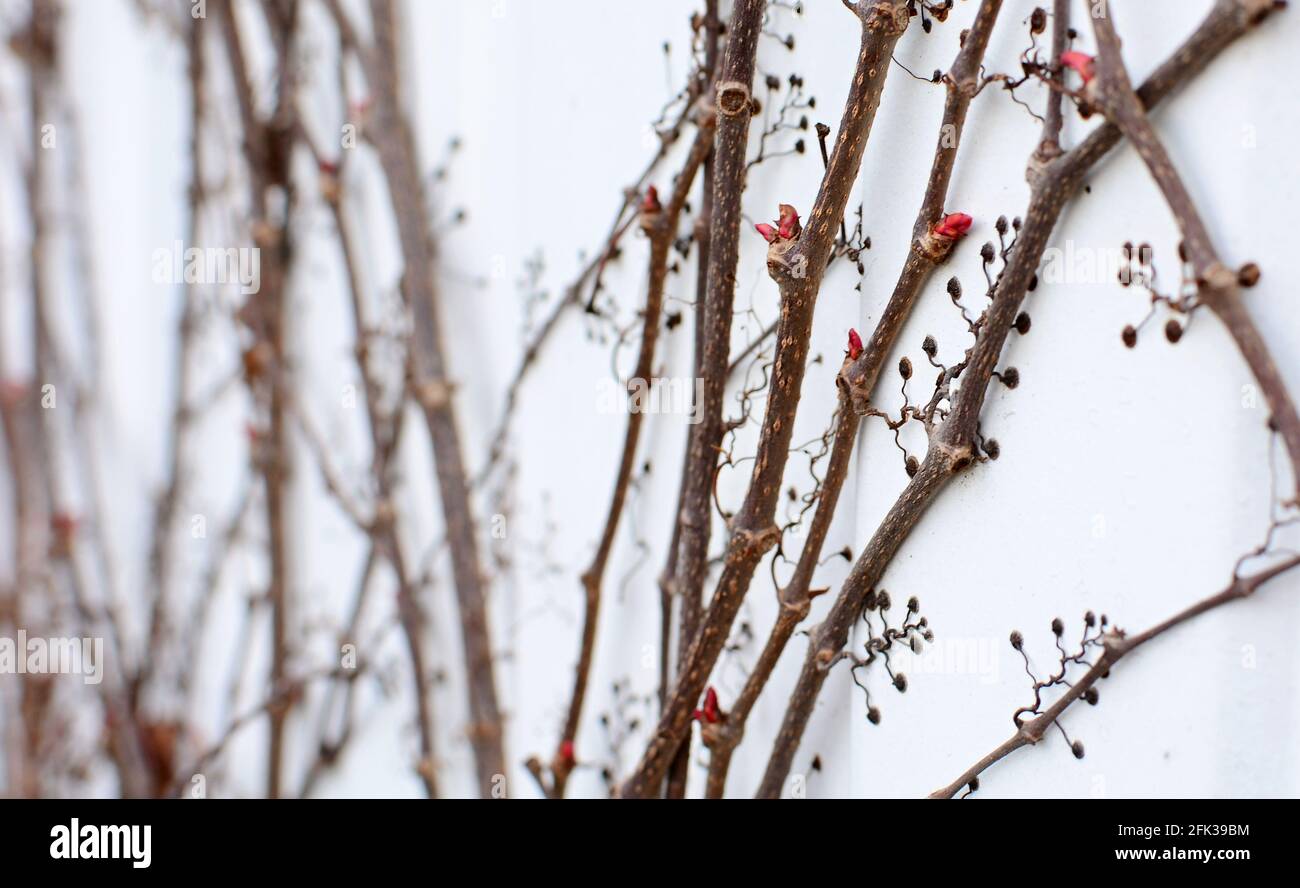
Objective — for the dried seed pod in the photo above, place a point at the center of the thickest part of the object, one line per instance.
(1173, 330)
(1017, 640)
(900, 682)
(992, 449)
(986, 252)
(1077, 748)
(1011, 377)
(905, 368)
(1038, 20)
(954, 288)
(912, 466)
(1091, 696)
(1130, 336)
(930, 346)
(1058, 628)
(1248, 275)
(1022, 323)
(873, 715)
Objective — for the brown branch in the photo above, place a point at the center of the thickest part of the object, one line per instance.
(660, 225)
(382, 531)
(1111, 90)
(689, 618)
(733, 105)
(1115, 646)
(390, 132)
(798, 266)
(1053, 179)
(268, 144)
(167, 510)
(42, 449)
(281, 697)
(1217, 285)
(928, 251)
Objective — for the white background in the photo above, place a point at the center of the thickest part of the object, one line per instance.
(1129, 480)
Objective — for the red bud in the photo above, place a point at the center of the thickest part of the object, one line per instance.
(566, 752)
(1081, 62)
(651, 202)
(789, 222)
(953, 226)
(855, 344)
(711, 714)
(768, 232)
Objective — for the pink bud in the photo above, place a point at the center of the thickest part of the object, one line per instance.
(855, 344)
(789, 222)
(1081, 62)
(768, 232)
(651, 202)
(953, 225)
(328, 167)
(566, 752)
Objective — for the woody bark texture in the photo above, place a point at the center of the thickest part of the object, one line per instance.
(269, 144)
(858, 376)
(1116, 644)
(433, 389)
(1054, 178)
(660, 226)
(798, 266)
(733, 109)
(1217, 284)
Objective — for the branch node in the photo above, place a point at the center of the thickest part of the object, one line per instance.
(733, 98)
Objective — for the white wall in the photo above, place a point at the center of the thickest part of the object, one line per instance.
(1129, 481)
